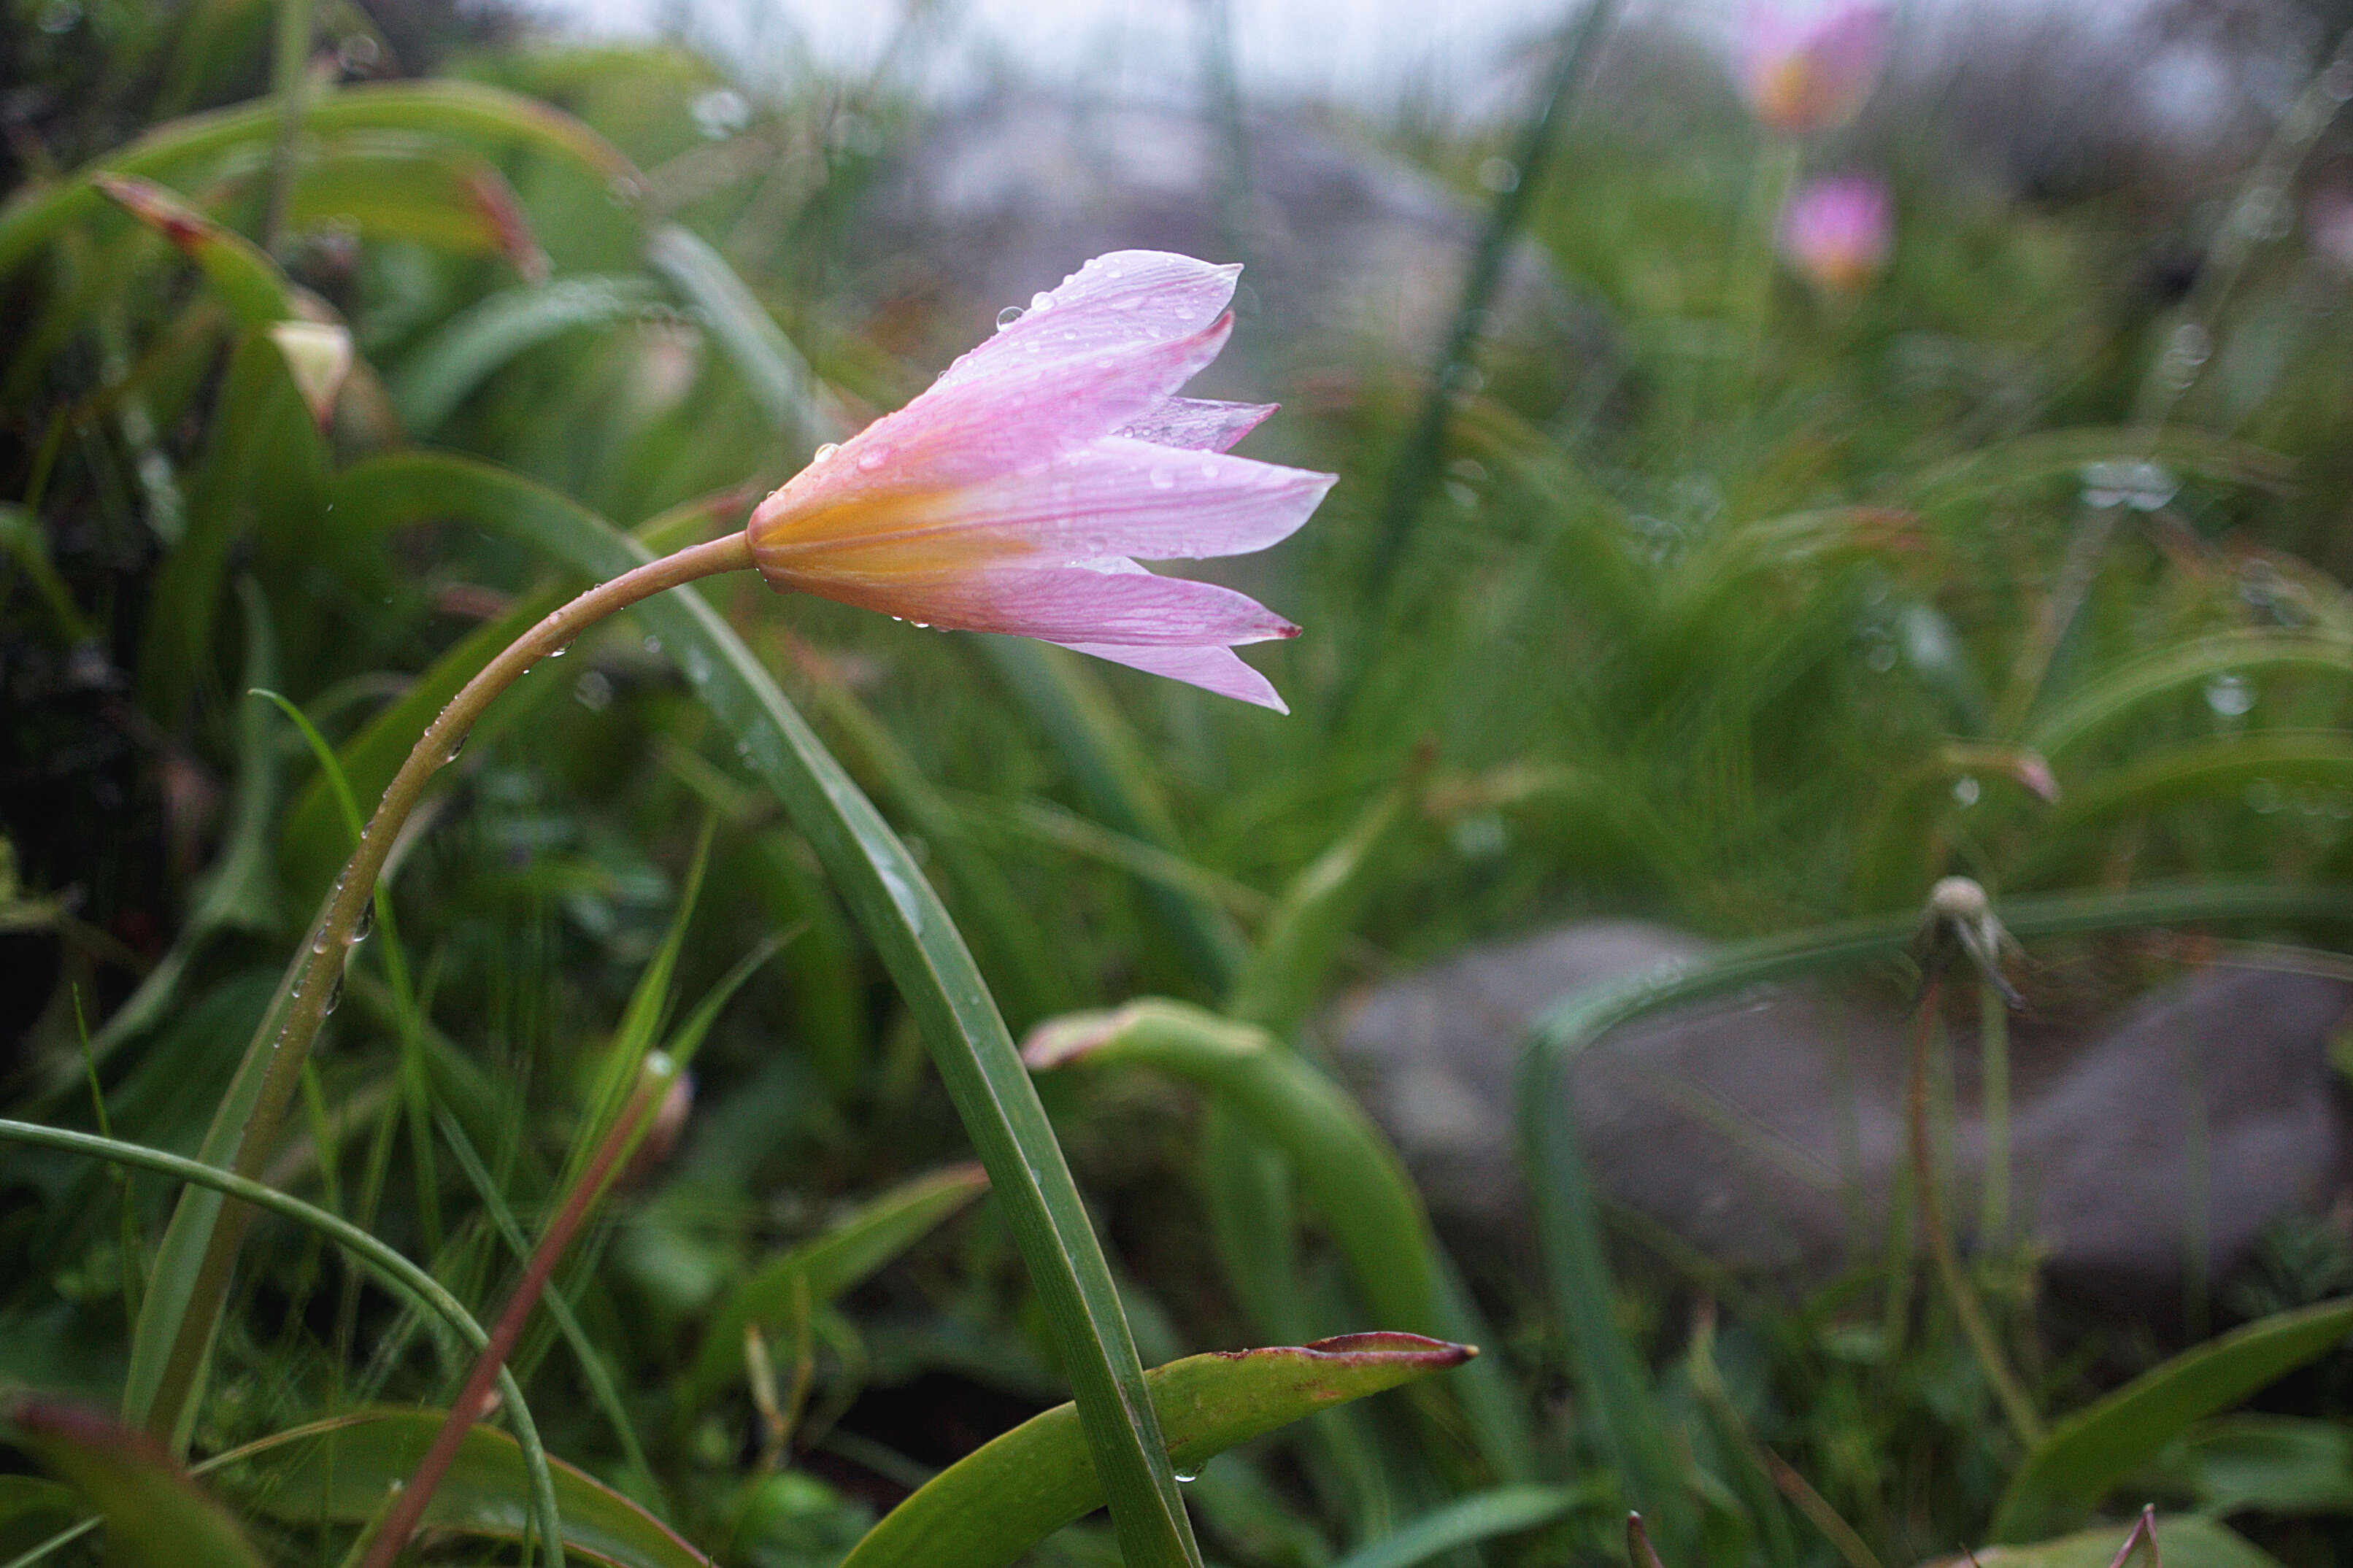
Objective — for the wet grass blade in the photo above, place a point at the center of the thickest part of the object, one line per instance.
(2097, 1448)
(422, 1290)
(779, 379)
(993, 1505)
(824, 1267)
(435, 377)
(1505, 1511)
(2116, 694)
(909, 929)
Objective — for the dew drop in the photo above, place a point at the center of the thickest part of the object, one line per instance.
(827, 450)
(362, 927)
(1041, 300)
(653, 644)
(2229, 695)
(457, 745)
(319, 943)
(1187, 1477)
(874, 457)
(1965, 790)
(1008, 316)
(334, 997)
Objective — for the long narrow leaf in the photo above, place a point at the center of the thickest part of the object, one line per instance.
(993, 1505)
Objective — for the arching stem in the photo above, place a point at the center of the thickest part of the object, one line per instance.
(320, 966)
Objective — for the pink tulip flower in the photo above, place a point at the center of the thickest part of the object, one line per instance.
(1837, 231)
(1016, 493)
(1809, 71)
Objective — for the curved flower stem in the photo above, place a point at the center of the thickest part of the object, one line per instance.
(319, 967)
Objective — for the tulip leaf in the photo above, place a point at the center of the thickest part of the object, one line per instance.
(830, 1264)
(919, 944)
(414, 191)
(2089, 1453)
(157, 1516)
(339, 1470)
(998, 1501)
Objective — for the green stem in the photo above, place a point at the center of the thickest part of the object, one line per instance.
(2015, 1404)
(289, 73)
(311, 980)
(397, 1271)
(401, 1521)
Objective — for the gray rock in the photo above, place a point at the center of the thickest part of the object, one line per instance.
(1352, 253)
(1768, 1131)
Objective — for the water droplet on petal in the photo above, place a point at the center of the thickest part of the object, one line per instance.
(827, 450)
(874, 457)
(1160, 478)
(1008, 316)
(1041, 300)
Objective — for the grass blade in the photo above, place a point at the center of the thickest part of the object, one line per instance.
(825, 1266)
(1505, 1511)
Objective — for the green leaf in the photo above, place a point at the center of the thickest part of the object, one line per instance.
(2089, 1453)
(2050, 455)
(887, 894)
(2212, 770)
(465, 111)
(339, 1470)
(2120, 691)
(845, 1253)
(32, 1510)
(248, 281)
(779, 378)
(2185, 1540)
(157, 1516)
(2266, 1464)
(1505, 1511)
(405, 188)
(995, 1503)
(436, 376)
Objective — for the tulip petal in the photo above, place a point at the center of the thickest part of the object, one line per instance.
(1214, 669)
(1116, 497)
(1198, 424)
(983, 430)
(1114, 301)
(1112, 600)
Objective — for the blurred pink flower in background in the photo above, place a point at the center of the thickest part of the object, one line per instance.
(1839, 231)
(1015, 494)
(1807, 70)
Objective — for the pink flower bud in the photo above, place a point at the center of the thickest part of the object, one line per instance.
(1837, 231)
(1809, 71)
